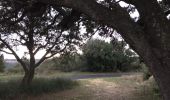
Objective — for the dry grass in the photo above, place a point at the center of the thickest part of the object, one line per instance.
(117, 88)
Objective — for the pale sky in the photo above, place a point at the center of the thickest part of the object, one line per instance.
(20, 51)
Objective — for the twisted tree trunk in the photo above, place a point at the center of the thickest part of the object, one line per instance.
(28, 77)
(161, 74)
(160, 68)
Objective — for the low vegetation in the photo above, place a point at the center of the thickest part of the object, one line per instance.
(126, 87)
(146, 73)
(11, 88)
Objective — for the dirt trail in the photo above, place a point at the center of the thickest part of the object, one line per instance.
(100, 75)
(122, 88)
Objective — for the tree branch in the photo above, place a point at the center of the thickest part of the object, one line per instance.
(55, 52)
(118, 18)
(15, 54)
(6, 52)
(47, 52)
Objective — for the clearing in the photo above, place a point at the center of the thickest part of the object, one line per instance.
(121, 87)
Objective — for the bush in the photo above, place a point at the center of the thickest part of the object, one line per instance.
(146, 72)
(98, 55)
(11, 88)
(101, 56)
(131, 64)
(68, 62)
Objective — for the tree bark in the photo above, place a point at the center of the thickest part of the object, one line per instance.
(28, 77)
(159, 65)
(163, 80)
(161, 72)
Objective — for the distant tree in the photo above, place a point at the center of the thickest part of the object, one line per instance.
(2, 65)
(68, 62)
(98, 56)
(103, 56)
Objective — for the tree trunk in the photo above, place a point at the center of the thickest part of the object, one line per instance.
(161, 74)
(159, 66)
(28, 77)
(164, 82)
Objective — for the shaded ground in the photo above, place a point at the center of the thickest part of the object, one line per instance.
(119, 87)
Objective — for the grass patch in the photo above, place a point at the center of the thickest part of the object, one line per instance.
(11, 89)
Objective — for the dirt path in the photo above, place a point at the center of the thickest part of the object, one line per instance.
(121, 88)
(100, 75)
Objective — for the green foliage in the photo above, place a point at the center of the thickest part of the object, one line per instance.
(2, 65)
(102, 56)
(98, 56)
(11, 88)
(135, 65)
(146, 73)
(68, 62)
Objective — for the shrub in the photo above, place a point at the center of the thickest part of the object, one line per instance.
(11, 88)
(68, 62)
(101, 56)
(146, 72)
(131, 64)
